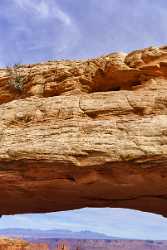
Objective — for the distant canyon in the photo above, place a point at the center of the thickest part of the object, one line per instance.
(73, 244)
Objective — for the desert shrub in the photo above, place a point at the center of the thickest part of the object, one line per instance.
(16, 80)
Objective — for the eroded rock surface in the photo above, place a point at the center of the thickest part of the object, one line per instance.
(18, 244)
(85, 133)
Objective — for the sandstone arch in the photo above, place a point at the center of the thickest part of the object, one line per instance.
(85, 133)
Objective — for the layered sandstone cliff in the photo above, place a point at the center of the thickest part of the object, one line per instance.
(63, 245)
(85, 133)
(113, 245)
(17, 244)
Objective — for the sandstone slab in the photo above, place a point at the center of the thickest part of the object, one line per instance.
(85, 133)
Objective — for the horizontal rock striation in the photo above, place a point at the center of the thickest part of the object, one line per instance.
(85, 133)
(18, 244)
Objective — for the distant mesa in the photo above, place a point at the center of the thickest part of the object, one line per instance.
(56, 233)
(71, 244)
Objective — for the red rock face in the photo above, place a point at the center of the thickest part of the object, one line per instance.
(39, 246)
(15, 244)
(112, 245)
(62, 245)
(85, 133)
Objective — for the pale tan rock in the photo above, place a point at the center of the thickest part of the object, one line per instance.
(18, 244)
(93, 134)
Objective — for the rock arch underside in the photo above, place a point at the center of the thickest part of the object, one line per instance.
(85, 133)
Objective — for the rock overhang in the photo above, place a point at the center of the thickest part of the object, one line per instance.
(85, 133)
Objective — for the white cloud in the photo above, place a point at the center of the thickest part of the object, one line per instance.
(44, 9)
(62, 16)
(40, 7)
(44, 25)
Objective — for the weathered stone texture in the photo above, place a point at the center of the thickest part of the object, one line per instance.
(18, 244)
(85, 133)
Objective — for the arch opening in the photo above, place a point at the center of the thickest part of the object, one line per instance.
(100, 228)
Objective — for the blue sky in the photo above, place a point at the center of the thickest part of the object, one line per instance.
(115, 222)
(37, 30)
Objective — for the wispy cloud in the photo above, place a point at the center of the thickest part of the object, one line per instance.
(44, 9)
(36, 30)
(39, 8)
